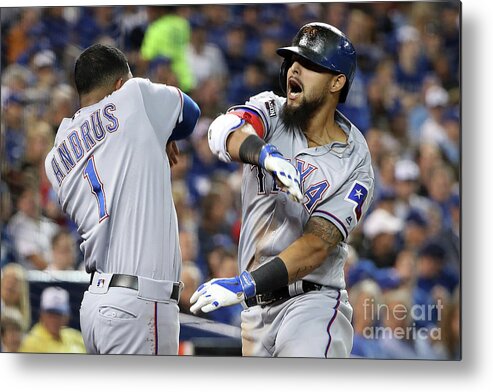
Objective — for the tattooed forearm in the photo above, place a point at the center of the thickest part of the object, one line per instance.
(307, 253)
(302, 271)
(324, 230)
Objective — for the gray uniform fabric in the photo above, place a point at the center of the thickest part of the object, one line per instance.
(111, 173)
(337, 181)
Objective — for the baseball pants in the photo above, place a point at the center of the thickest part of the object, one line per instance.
(117, 320)
(315, 324)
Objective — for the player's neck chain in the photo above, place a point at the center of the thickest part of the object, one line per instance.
(312, 141)
(325, 139)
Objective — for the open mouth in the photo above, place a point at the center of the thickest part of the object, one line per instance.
(294, 88)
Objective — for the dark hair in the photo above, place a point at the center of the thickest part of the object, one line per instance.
(59, 234)
(99, 66)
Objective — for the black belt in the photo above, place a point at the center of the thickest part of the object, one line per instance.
(281, 294)
(132, 282)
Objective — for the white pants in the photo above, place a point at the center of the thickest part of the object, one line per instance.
(316, 324)
(117, 320)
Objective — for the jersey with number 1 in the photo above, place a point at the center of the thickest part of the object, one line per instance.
(337, 181)
(111, 173)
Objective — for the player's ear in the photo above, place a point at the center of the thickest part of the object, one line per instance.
(337, 83)
(119, 84)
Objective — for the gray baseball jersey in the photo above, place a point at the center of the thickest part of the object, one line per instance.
(111, 172)
(102, 159)
(337, 181)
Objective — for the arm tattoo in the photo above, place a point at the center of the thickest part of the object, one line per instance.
(327, 232)
(302, 271)
(324, 230)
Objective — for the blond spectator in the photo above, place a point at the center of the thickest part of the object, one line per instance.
(11, 332)
(15, 293)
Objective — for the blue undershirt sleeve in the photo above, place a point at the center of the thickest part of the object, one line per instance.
(191, 114)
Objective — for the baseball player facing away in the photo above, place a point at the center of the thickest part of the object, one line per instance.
(111, 170)
(291, 253)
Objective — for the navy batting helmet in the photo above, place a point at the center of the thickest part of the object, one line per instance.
(325, 46)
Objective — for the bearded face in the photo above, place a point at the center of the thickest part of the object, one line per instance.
(299, 116)
(307, 91)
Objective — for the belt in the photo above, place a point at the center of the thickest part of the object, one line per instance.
(283, 293)
(132, 282)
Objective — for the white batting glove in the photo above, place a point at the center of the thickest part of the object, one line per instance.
(273, 161)
(217, 293)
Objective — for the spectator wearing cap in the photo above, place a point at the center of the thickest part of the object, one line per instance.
(416, 230)
(15, 130)
(410, 69)
(381, 228)
(51, 334)
(44, 68)
(433, 129)
(435, 282)
(432, 269)
(160, 71)
(407, 179)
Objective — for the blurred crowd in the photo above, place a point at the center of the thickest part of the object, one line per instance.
(403, 273)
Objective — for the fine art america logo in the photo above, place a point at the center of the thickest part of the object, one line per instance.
(401, 322)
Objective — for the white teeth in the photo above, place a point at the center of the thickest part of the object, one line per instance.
(293, 95)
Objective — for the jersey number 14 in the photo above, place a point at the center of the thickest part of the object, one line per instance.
(97, 189)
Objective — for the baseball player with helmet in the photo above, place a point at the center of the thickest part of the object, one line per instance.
(110, 167)
(293, 244)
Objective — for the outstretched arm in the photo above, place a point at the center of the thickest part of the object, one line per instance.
(235, 136)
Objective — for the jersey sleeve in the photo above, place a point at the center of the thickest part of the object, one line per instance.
(266, 108)
(346, 207)
(163, 106)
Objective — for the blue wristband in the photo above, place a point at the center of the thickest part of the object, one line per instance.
(248, 284)
(268, 149)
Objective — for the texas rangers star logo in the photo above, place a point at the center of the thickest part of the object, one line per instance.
(357, 195)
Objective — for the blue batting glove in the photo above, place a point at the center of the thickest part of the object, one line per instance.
(273, 161)
(217, 293)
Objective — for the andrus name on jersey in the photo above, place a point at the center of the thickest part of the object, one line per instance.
(82, 140)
